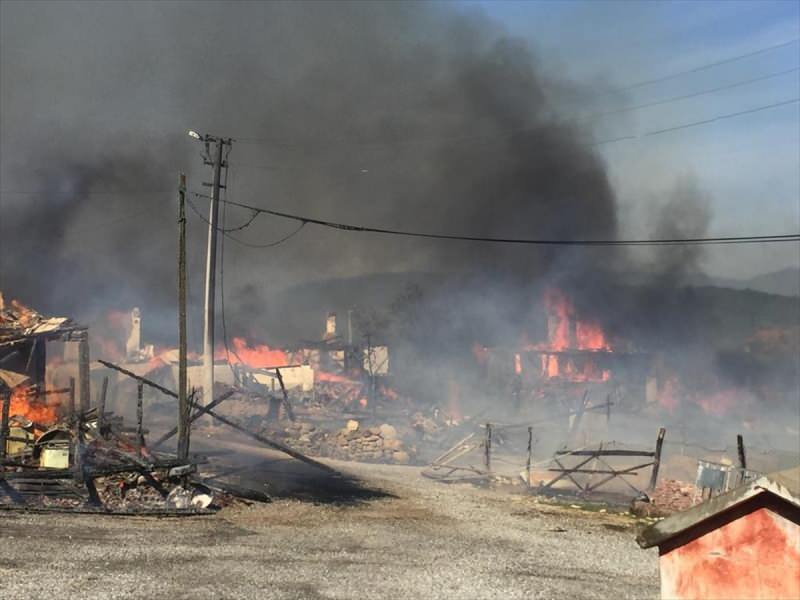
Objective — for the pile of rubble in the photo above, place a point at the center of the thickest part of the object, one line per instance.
(381, 444)
(670, 496)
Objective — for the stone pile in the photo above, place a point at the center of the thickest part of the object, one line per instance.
(670, 496)
(353, 442)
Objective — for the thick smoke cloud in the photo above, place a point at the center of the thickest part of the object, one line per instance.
(418, 116)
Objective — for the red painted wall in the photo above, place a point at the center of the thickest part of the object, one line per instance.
(754, 556)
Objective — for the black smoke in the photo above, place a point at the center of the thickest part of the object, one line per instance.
(418, 116)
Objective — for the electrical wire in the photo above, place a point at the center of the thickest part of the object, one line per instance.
(225, 232)
(705, 66)
(721, 117)
(516, 131)
(222, 229)
(697, 123)
(692, 95)
(793, 237)
(270, 244)
(520, 131)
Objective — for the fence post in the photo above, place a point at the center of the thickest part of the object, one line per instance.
(139, 415)
(657, 459)
(530, 454)
(487, 445)
(742, 457)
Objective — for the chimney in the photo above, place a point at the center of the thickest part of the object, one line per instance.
(133, 345)
(330, 327)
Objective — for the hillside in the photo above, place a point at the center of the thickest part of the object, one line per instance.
(726, 316)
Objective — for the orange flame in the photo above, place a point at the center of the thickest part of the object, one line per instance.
(589, 334)
(24, 403)
(256, 357)
(559, 315)
(565, 331)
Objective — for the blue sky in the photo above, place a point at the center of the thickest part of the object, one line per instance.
(749, 166)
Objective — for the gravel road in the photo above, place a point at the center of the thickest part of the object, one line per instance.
(412, 538)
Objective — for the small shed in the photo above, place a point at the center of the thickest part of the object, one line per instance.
(742, 544)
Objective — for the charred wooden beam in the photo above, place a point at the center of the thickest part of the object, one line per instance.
(206, 410)
(742, 457)
(286, 405)
(604, 453)
(101, 406)
(657, 459)
(266, 441)
(144, 380)
(194, 417)
(71, 401)
(487, 448)
(530, 455)
(83, 372)
(140, 416)
(6, 399)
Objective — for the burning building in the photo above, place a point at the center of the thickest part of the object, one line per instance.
(577, 360)
(24, 337)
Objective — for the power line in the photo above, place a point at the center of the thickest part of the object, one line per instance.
(269, 244)
(693, 95)
(794, 237)
(721, 117)
(518, 131)
(226, 232)
(82, 194)
(697, 123)
(705, 66)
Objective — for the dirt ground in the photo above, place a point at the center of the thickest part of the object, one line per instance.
(395, 534)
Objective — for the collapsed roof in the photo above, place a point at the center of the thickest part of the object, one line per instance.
(18, 323)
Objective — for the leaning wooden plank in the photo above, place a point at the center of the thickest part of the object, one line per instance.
(133, 375)
(619, 474)
(229, 423)
(194, 417)
(286, 405)
(597, 471)
(565, 472)
(266, 441)
(604, 453)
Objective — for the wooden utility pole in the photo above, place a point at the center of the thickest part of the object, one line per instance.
(183, 399)
(211, 269)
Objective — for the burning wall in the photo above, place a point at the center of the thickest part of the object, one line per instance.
(24, 335)
(574, 347)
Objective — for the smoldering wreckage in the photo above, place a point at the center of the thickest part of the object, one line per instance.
(75, 431)
(100, 435)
